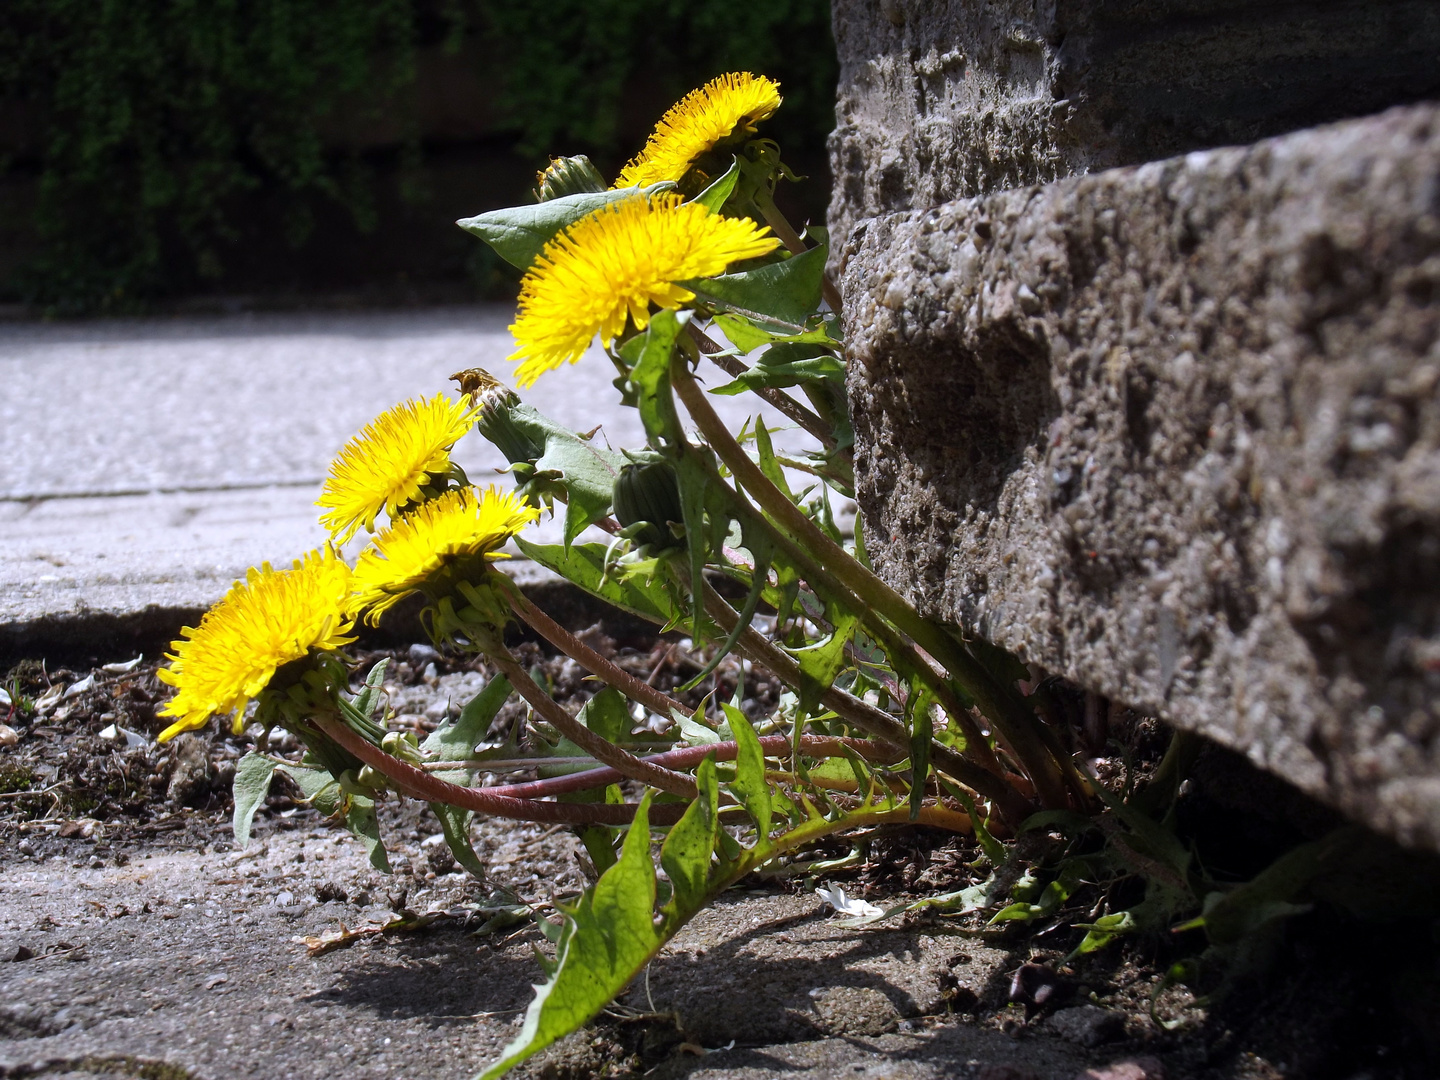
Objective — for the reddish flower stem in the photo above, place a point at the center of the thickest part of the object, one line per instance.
(418, 784)
(689, 756)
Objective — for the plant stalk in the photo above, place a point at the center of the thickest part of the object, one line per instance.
(1010, 721)
(687, 757)
(1012, 805)
(601, 749)
(782, 401)
(636, 689)
(780, 226)
(418, 784)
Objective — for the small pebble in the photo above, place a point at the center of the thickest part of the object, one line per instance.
(8, 735)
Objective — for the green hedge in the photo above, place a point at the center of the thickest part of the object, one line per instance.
(158, 119)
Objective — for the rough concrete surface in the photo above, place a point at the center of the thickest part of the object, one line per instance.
(192, 962)
(946, 99)
(1174, 432)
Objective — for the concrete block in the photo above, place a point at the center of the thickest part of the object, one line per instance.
(945, 99)
(1173, 432)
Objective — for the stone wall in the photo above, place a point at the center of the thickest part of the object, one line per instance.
(1172, 431)
(943, 99)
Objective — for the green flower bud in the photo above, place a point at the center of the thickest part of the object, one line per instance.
(568, 176)
(648, 494)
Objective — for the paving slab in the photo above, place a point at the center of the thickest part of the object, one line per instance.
(148, 462)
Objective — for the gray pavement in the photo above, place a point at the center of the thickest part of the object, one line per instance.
(145, 464)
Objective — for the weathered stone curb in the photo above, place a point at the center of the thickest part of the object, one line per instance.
(949, 99)
(1174, 432)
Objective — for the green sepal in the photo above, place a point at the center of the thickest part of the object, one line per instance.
(714, 197)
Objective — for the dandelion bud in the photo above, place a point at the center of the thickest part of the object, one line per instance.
(568, 176)
(648, 494)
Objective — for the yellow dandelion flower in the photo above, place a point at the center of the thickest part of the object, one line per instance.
(729, 105)
(617, 262)
(386, 465)
(457, 524)
(263, 622)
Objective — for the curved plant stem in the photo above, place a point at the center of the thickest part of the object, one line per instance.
(687, 757)
(601, 749)
(780, 225)
(782, 401)
(418, 784)
(1009, 716)
(635, 689)
(1013, 806)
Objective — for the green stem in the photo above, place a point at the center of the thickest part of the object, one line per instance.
(780, 226)
(782, 401)
(755, 647)
(1010, 718)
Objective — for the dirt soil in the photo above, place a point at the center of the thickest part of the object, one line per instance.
(136, 943)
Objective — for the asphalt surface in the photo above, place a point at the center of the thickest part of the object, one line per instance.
(146, 463)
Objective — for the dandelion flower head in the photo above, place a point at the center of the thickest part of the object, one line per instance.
(459, 523)
(262, 623)
(615, 263)
(694, 125)
(386, 465)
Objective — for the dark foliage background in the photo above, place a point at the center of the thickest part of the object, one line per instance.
(155, 149)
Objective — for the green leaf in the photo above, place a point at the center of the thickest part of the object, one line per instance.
(714, 196)
(607, 714)
(747, 337)
(1103, 931)
(765, 450)
(690, 846)
(252, 784)
(369, 699)
(821, 662)
(693, 730)
(780, 375)
(607, 938)
(519, 233)
(599, 844)
(455, 824)
(584, 567)
(587, 474)
(781, 295)
(361, 820)
(457, 741)
(317, 785)
(650, 376)
(750, 787)
(994, 850)
(1270, 895)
